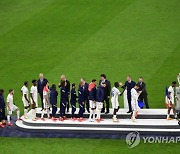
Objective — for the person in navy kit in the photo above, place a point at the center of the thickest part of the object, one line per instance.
(99, 100)
(129, 84)
(2, 109)
(81, 99)
(92, 100)
(64, 97)
(86, 94)
(73, 101)
(53, 101)
(41, 83)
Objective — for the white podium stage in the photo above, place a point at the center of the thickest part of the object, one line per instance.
(154, 123)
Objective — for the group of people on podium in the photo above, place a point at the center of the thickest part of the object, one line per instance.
(93, 97)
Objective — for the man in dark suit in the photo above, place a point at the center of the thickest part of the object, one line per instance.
(41, 83)
(63, 78)
(107, 91)
(86, 94)
(143, 95)
(129, 84)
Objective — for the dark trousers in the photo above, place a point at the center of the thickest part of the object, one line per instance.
(129, 102)
(67, 104)
(2, 115)
(106, 101)
(73, 105)
(143, 98)
(81, 110)
(87, 104)
(62, 109)
(54, 109)
(41, 96)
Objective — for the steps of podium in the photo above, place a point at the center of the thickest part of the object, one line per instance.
(121, 114)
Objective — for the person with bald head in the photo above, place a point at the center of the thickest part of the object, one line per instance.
(41, 83)
(63, 78)
(129, 84)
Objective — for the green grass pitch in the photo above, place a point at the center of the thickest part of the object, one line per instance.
(84, 38)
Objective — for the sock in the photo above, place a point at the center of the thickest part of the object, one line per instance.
(48, 113)
(33, 114)
(114, 116)
(91, 113)
(8, 118)
(99, 114)
(25, 112)
(42, 114)
(167, 116)
(18, 112)
(94, 114)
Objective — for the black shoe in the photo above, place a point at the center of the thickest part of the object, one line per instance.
(107, 113)
(102, 111)
(129, 111)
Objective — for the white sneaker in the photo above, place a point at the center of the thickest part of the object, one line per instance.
(91, 120)
(115, 120)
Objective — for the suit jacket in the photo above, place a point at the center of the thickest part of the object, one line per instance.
(41, 85)
(107, 89)
(142, 87)
(129, 86)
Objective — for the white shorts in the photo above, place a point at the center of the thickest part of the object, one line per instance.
(25, 103)
(92, 104)
(135, 106)
(13, 108)
(99, 105)
(115, 104)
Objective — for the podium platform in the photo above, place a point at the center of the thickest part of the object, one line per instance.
(149, 122)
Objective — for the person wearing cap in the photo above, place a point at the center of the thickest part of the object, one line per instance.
(92, 99)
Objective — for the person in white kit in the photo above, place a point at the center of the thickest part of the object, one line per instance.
(25, 98)
(46, 101)
(171, 96)
(134, 102)
(11, 107)
(34, 98)
(115, 103)
(178, 78)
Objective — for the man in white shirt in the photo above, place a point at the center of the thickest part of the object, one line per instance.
(115, 103)
(171, 96)
(34, 98)
(134, 101)
(11, 107)
(25, 98)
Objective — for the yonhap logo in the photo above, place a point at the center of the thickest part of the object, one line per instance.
(133, 139)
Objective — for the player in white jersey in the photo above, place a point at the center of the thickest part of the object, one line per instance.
(114, 100)
(178, 78)
(134, 101)
(34, 98)
(25, 98)
(46, 101)
(11, 107)
(171, 96)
